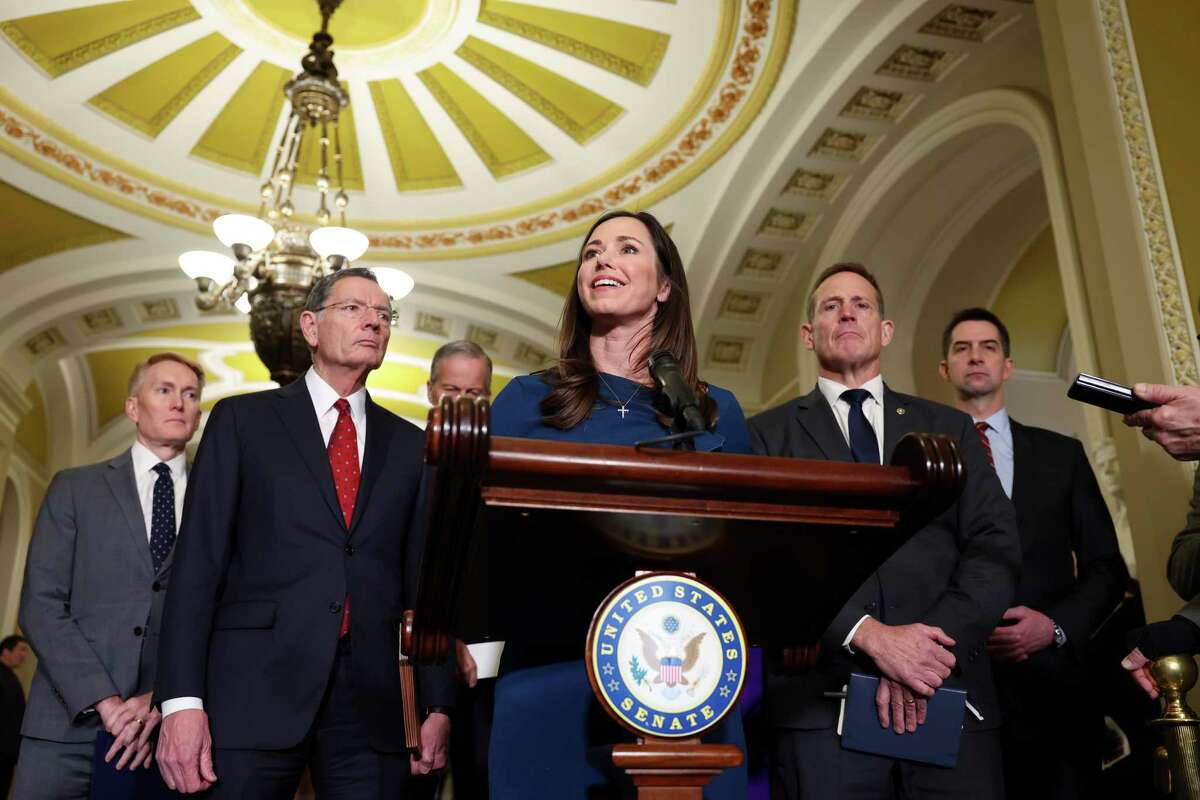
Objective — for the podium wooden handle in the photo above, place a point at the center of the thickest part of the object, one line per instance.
(412, 716)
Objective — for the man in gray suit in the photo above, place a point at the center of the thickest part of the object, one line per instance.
(95, 580)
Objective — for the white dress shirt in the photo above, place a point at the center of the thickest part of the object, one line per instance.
(323, 397)
(873, 410)
(872, 407)
(145, 477)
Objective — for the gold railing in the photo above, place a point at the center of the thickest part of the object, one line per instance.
(1177, 759)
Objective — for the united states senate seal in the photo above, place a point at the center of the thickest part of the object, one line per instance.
(666, 655)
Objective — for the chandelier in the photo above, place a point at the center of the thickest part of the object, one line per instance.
(276, 259)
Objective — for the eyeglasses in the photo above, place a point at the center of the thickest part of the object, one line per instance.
(356, 309)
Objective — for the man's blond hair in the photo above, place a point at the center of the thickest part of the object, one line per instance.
(139, 372)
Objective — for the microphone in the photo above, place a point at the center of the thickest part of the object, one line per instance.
(684, 408)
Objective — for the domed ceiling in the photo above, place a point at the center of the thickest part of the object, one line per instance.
(474, 126)
(481, 138)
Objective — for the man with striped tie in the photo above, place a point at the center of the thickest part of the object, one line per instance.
(95, 578)
(1072, 573)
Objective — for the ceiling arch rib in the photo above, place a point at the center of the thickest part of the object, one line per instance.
(627, 50)
(61, 41)
(153, 96)
(416, 156)
(241, 135)
(501, 145)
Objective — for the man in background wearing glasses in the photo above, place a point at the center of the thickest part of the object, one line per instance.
(302, 516)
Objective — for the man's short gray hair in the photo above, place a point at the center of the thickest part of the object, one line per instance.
(138, 376)
(319, 294)
(460, 347)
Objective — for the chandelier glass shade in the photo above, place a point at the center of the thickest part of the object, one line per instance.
(276, 259)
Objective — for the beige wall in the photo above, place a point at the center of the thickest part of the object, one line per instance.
(1164, 33)
(1126, 287)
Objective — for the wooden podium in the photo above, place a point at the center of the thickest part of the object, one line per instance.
(786, 541)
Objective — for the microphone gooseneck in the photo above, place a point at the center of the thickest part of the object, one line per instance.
(664, 369)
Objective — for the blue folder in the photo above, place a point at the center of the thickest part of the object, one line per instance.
(109, 783)
(934, 742)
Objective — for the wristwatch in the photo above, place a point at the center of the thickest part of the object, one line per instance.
(1060, 636)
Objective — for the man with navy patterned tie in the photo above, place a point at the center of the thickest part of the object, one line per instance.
(923, 618)
(95, 578)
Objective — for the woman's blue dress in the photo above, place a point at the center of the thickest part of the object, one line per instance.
(550, 737)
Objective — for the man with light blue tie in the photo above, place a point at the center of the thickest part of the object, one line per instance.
(1072, 577)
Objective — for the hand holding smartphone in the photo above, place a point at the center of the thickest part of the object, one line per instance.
(1106, 394)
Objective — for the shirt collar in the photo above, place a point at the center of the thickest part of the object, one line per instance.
(324, 396)
(999, 423)
(144, 461)
(832, 390)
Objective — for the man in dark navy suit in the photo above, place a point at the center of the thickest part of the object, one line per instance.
(296, 561)
(922, 619)
(1072, 575)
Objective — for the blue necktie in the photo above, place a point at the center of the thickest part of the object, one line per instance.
(863, 443)
(162, 516)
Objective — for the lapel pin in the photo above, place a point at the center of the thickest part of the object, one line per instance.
(900, 410)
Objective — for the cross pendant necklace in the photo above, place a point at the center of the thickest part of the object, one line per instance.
(622, 408)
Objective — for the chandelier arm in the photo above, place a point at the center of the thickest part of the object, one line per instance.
(340, 201)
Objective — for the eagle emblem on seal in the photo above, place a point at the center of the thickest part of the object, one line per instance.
(672, 655)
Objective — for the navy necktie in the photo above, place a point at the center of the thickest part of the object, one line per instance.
(162, 516)
(863, 443)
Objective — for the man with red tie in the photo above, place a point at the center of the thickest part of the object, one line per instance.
(297, 558)
(1072, 574)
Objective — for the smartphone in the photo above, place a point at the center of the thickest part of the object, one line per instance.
(1106, 394)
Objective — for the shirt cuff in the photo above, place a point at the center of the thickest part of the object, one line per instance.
(169, 707)
(845, 642)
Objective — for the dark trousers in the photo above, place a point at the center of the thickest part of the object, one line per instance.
(469, 737)
(6, 774)
(1058, 765)
(811, 765)
(337, 751)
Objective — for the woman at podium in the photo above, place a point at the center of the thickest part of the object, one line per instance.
(550, 736)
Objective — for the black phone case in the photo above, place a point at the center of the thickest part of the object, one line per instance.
(1106, 394)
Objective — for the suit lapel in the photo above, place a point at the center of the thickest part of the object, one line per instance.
(1023, 463)
(300, 420)
(815, 417)
(897, 422)
(119, 476)
(379, 437)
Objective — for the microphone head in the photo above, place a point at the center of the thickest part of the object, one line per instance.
(659, 363)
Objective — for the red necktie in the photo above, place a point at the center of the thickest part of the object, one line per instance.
(343, 462)
(981, 429)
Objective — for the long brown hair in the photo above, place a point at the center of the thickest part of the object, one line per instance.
(574, 385)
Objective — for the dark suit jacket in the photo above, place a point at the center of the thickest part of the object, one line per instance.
(91, 604)
(957, 573)
(264, 561)
(1060, 510)
(12, 709)
(1183, 568)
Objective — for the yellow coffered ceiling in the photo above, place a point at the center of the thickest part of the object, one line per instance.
(482, 136)
(474, 126)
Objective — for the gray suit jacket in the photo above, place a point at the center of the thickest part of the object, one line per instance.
(92, 603)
